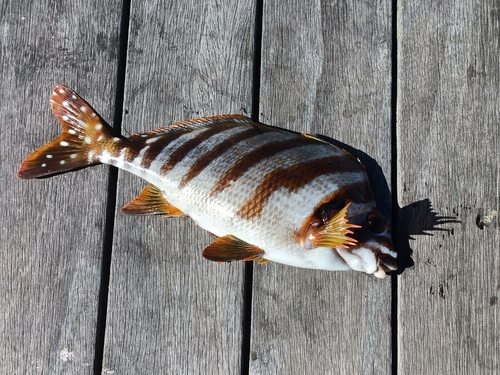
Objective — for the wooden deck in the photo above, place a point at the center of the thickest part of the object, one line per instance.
(411, 86)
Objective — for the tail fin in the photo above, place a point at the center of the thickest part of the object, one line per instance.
(84, 136)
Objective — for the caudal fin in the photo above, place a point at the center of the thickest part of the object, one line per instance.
(83, 137)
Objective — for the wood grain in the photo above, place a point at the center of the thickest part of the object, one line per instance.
(51, 230)
(448, 115)
(170, 310)
(326, 69)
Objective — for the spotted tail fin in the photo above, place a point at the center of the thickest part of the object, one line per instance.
(83, 137)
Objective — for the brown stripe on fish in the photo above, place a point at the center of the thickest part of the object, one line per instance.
(180, 153)
(256, 156)
(220, 149)
(158, 146)
(131, 149)
(165, 136)
(293, 178)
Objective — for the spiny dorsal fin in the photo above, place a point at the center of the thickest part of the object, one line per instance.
(199, 123)
(230, 248)
(335, 233)
(151, 201)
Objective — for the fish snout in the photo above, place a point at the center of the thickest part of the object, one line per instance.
(386, 263)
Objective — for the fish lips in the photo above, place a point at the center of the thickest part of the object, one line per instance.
(371, 258)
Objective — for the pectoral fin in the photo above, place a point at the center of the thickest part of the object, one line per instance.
(335, 233)
(230, 248)
(151, 201)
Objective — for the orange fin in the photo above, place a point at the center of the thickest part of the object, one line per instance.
(263, 261)
(151, 201)
(230, 248)
(199, 123)
(335, 233)
(83, 135)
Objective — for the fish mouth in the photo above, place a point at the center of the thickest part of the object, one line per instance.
(372, 258)
(385, 263)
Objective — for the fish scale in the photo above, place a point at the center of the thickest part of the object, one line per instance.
(266, 193)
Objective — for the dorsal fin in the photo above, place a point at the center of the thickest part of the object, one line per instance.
(199, 123)
(230, 248)
(151, 201)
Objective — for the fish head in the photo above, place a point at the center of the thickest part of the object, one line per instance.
(366, 235)
(373, 251)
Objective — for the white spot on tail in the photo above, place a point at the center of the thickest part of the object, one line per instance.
(48, 156)
(83, 109)
(104, 157)
(65, 118)
(65, 104)
(62, 162)
(44, 165)
(61, 91)
(116, 139)
(88, 139)
(72, 156)
(74, 97)
(98, 127)
(100, 138)
(72, 131)
(64, 144)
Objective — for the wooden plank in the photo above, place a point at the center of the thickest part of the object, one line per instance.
(170, 310)
(448, 115)
(326, 69)
(51, 230)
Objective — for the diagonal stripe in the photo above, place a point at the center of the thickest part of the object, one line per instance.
(157, 147)
(219, 150)
(293, 178)
(180, 153)
(256, 156)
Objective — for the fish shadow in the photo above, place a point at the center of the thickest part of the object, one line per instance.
(417, 218)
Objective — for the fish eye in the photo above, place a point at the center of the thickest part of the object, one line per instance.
(376, 224)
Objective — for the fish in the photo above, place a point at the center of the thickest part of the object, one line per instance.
(264, 193)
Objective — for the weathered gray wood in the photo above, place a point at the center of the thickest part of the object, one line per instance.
(51, 230)
(170, 310)
(448, 115)
(326, 69)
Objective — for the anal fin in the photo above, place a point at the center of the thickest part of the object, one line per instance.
(230, 248)
(151, 201)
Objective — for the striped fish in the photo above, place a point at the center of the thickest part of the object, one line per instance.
(267, 194)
